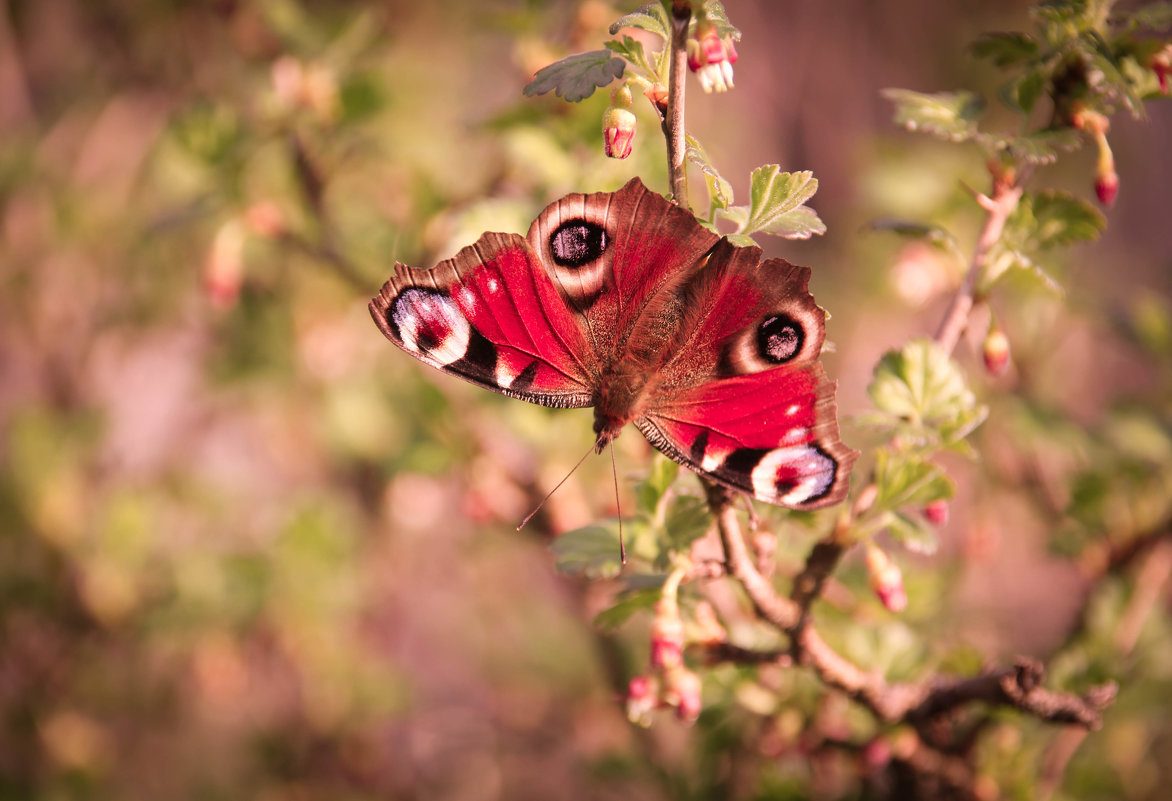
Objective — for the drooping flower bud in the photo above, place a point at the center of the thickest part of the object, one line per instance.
(936, 512)
(886, 579)
(711, 57)
(995, 351)
(1161, 64)
(642, 699)
(667, 636)
(682, 691)
(223, 271)
(618, 124)
(1106, 179)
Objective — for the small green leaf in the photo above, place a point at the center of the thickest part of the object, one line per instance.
(776, 200)
(948, 115)
(592, 551)
(720, 191)
(1041, 147)
(651, 489)
(923, 393)
(907, 479)
(687, 521)
(1062, 218)
(1153, 17)
(576, 77)
(631, 603)
(719, 19)
(912, 532)
(1006, 49)
(630, 49)
(650, 17)
(934, 235)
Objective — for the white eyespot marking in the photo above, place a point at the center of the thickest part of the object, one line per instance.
(802, 470)
(431, 324)
(467, 298)
(793, 409)
(493, 285)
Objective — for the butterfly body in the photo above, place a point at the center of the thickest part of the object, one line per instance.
(624, 302)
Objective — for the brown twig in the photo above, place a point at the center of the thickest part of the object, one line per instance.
(997, 210)
(673, 121)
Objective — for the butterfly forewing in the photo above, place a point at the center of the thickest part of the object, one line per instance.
(491, 316)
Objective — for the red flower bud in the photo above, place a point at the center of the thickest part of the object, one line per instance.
(618, 124)
(223, 271)
(1107, 187)
(996, 351)
(936, 512)
(1161, 64)
(886, 579)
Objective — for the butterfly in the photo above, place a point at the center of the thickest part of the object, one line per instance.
(624, 302)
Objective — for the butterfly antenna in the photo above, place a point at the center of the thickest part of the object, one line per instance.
(549, 494)
(618, 506)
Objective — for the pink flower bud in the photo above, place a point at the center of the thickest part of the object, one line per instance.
(683, 692)
(265, 219)
(657, 94)
(223, 271)
(711, 48)
(642, 699)
(886, 579)
(618, 124)
(995, 351)
(667, 637)
(1107, 187)
(936, 512)
(1161, 64)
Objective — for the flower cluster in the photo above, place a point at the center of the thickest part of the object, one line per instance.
(711, 57)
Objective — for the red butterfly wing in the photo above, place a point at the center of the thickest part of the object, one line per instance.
(772, 434)
(490, 315)
(743, 399)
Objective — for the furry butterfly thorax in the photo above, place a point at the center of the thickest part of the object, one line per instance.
(623, 301)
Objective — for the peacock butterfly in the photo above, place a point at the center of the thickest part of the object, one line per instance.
(624, 302)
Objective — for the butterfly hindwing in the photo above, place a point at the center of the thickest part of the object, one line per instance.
(490, 315)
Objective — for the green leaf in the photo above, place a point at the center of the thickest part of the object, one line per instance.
(576, 77)
(776, 200)
(652, 489)
(923, 393)
(631, 603)
(632, 50)
(1041, 147)
(650, 17)
(1061, 218)
(948, 115)
(1154, 17)
(591, 551)
(687, 521)
(1006, 49)
(720, 191)
(934, 235)
(719, 19)
(912, 532)
(1023, 92)
(907, 479)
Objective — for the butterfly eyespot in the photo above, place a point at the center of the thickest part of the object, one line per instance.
(779, 338)
(431, 324)
(578, 242)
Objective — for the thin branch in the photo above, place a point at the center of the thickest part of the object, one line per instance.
(997, 208)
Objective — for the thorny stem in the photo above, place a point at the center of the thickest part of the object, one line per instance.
(673, 121)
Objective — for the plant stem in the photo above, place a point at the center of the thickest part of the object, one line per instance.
(997, 208)
(673, 122)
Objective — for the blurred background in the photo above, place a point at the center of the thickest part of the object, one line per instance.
(250, 550)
